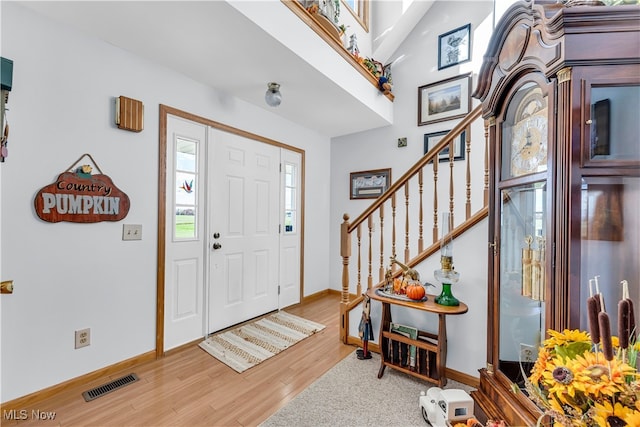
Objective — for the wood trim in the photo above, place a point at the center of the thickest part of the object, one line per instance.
(160, 244)
(317, 295)
(164, 109)
(162, 164)
(302, 219)
(38, 396)
(323, 293)
(463, 378)
(308, 19)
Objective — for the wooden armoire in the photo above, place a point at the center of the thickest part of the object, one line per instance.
(560, 88)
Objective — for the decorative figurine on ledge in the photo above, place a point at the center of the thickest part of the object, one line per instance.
(385, 86)
(365, 330)
(353, 45)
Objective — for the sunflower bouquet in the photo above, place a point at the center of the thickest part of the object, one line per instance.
(589, 379)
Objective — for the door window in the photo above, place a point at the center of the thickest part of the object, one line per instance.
(186, 189)
(290, 198)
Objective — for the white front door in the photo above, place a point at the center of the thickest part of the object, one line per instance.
(185, 234)
(244, 198)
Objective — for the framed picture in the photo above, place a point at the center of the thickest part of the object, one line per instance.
(431, 139)
(369, 184)
(444, 100)
(454, 47)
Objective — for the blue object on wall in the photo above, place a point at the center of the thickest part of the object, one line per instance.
(6, 73)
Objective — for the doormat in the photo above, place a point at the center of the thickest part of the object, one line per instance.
(248, 345)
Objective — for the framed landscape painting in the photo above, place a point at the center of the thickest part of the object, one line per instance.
(444, 100)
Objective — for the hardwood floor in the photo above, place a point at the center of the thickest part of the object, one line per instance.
(191, 388)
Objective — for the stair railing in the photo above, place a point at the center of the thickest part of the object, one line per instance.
(460, 185)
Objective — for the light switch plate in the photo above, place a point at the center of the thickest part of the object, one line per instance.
(132, 232)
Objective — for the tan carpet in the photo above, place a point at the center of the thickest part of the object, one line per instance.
(250, 344)
(351, 395)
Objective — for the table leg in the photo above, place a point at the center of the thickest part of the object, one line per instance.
(385, 321)
(442, 349)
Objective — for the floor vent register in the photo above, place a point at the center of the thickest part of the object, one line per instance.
(109, 387)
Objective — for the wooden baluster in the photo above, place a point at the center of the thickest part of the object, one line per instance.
(451, 189)
(435, 199)
(393, 228)
(381, 273)
(420, 236)
(406, 222)
(467, 134)
(370, 277)
(359, 234)
(345, 253)
(487, 124)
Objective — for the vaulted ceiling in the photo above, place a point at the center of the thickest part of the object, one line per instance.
(214, 43)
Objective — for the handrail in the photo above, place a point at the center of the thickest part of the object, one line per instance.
(412, 219)
(427, 158)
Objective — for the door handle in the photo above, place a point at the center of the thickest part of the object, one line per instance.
(217, 246)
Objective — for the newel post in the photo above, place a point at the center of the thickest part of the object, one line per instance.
(345, 253)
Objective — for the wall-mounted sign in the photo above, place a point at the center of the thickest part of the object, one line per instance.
(79, 196)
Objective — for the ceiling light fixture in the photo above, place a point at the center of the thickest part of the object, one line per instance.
(273, 97)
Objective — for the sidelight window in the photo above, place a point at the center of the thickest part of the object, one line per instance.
(186, 189)
(290, 198)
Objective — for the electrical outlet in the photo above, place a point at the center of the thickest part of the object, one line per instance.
(132, 232)
(527, 353)
(83, 338)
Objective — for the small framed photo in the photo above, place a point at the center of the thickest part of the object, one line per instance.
(444, 100)
(369, 184)
(431, 139)
(454, 47)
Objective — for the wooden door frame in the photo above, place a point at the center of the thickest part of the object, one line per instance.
(165, 111)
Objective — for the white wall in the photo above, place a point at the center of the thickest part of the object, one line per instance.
(71, 276)
(416, 64)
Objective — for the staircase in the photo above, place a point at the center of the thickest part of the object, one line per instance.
(436, 183)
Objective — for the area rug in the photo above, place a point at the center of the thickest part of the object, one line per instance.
(350, 394)
(250, 344)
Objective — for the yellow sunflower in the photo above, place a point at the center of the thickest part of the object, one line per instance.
(563, 384)
(632, 418)
(540, 366)
(561, 339)
(597, 377)
(615, 415)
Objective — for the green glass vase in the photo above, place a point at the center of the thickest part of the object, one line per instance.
(446, 297)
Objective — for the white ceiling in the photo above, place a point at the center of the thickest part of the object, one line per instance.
(213, 43)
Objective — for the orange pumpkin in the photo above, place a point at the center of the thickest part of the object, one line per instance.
(415, 291)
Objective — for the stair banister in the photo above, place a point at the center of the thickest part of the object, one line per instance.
(456, 131)
(350, 301)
